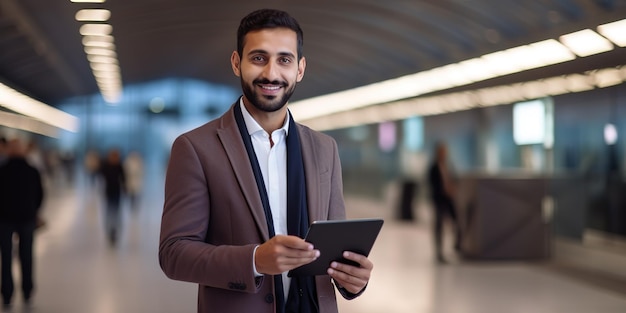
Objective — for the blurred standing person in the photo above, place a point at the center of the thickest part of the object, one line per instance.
(53, 166)
(133, 166)
(114, 179)
(92, 165)
(442, 184)
(21, 192)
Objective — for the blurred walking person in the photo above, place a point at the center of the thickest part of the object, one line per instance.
(442, 191)
(22, 193)
(133, 167)
(114, 178)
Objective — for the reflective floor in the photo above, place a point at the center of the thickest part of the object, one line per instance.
(78, 271)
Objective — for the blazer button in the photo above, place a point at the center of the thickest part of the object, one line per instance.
(269, 298)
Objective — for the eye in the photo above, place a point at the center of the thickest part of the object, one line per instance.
(285, 60)
(258, 59)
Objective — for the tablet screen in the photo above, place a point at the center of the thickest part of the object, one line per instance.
(334, 237)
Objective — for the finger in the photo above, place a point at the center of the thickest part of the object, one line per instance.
(301, 256)
(294, 242)
(287, 263)
(360, 273)
(351, 283)
(361, 259)
(282, 247)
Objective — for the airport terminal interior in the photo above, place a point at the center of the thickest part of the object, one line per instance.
(528, 97)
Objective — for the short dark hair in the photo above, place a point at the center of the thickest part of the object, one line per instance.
(268, 18)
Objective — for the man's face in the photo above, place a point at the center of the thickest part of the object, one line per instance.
(269, 68)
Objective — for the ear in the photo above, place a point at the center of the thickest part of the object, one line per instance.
(235, 62)
(301, 67)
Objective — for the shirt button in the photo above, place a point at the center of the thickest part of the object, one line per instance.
(269, 298)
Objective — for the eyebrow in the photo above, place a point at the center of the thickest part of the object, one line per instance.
(261, 51)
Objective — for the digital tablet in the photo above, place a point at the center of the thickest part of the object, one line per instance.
(334, 237)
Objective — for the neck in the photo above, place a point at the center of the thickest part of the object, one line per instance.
(269, 121)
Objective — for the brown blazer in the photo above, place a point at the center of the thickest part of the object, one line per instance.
(213, 216)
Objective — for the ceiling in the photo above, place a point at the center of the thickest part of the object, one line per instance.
(347, 43)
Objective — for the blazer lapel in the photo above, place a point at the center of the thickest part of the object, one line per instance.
(236, 151)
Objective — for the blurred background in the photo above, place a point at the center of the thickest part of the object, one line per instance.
(528, 97)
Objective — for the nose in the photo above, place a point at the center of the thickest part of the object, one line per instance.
(271, 72)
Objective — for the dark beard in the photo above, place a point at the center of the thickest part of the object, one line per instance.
(267, 103)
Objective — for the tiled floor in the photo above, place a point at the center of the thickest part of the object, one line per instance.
(77, 271)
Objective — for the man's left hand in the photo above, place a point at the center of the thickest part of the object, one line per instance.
(352, 278)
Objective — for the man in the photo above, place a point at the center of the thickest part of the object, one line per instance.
(241, 190)
(442, 192)
(114, 179)
(21, 192)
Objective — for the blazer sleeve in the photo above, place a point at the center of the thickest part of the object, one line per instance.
(183, 253)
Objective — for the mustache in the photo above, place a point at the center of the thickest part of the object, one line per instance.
(266, 81)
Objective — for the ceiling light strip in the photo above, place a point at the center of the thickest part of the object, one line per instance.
(492, 65)
(466, 100)
(22, 104)
(99, 47)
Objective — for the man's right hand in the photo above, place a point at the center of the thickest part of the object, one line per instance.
(283, 253)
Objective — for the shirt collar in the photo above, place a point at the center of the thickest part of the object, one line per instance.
(253, 126)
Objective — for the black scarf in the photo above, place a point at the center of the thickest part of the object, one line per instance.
(302, 296)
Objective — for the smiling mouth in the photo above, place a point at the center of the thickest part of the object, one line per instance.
(270, 88)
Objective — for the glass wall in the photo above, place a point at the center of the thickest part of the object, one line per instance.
(147, 119)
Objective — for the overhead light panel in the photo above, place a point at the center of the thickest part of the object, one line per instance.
(88, 1)
(106, 74)
(500, 63)
(608, 77)
(474, 70)
(93, 15)
(549, 52)
(100, 51)
(87, 40)
(101, 59)
(586, 42)
(105, 42)
(616, 32)
(96, 29)
(104, 67)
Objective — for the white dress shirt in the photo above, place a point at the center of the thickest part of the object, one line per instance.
(273, 163)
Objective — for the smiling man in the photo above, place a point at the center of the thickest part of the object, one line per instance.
(241, 190)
